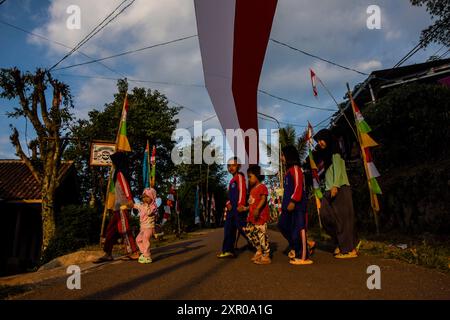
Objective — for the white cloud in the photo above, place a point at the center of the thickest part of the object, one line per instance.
(335, 30)
(368, 66)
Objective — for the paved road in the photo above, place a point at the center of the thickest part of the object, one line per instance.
(190, 270)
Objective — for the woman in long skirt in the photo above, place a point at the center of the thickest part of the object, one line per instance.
(337, 214)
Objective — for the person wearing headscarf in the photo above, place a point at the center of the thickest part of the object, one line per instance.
(337, 213)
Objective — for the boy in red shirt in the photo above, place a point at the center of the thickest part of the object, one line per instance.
(256, 229)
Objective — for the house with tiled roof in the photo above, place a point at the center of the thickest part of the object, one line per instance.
(20, 207)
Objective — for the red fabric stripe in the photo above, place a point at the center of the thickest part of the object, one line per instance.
(252, 25)
(368, 155)
(124, 185)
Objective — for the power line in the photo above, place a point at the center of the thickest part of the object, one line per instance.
(96, 30)
(204, 120)
(198, 86)
(317, 57)
(420, 45)
(2, 2)
(58, 43)
(444, 54)
(294, 103)
(126, 53)
(132, 80)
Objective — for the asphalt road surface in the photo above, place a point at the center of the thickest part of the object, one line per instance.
(190, 270)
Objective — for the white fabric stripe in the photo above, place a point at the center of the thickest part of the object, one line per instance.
(124, 236)
(373, 172)
(215, 25)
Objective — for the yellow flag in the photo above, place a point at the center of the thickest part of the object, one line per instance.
(367, 141)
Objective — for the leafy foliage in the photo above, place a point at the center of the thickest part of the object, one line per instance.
(412, 125)
(439, 31)
(149, 118)
(76, 227)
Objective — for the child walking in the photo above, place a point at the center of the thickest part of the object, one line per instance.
(147, 214)
(235, 218)
(292, 222)
(256, 229)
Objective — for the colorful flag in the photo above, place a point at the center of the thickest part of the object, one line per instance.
(213, 202)
(315, 177)
(367, 142)
(119, 191)
(362, 125)
(196, 207)
(166, 216)
(146, 167)
(122, 143)
(213, 209)
(153, 163)
(309, 134)
(314, 82)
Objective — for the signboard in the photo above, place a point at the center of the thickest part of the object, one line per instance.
(101, 152)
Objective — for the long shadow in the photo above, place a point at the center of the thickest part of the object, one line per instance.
(205, 275)
(195, 281)
(184, 246)
(130, 285)
(171, 254)
(175, 245)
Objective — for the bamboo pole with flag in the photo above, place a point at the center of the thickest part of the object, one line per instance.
(197, 206)
(314, 80)
(146, 167)
(153, 164)
(314, 172)
(366, 142)
(123, 145)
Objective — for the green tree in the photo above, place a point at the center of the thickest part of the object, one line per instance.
(411, 123)
(149, 118)
(50, 123)
(193, 175)
(288, 136)
(439, 31)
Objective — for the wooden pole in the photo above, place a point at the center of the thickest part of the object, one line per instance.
(207, 197)
(337, 104)
(105, 209)
(363, 157)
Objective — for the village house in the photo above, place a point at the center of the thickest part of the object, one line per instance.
(20, 208)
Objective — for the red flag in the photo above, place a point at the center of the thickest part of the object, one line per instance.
(313, 82)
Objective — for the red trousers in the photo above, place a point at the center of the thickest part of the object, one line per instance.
(118, 227)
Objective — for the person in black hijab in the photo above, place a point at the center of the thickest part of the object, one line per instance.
(338, 216)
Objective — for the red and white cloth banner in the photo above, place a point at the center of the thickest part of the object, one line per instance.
(233, 37)
(314, 82)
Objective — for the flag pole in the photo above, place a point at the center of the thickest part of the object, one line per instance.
(337, 104)
(206, 204)
(363, 156)
(109, 179)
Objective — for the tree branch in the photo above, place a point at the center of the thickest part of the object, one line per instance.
(16, 143)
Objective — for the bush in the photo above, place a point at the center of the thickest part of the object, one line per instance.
(76, 227)
(412, 125)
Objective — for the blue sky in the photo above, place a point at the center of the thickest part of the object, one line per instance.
(335, 30)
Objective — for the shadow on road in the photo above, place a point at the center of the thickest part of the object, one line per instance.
(166, 251)
(122, 288)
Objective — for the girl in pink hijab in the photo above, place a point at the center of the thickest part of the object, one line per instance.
(147, 215)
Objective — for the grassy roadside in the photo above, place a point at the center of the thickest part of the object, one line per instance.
(426, 250)
(10, 291)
